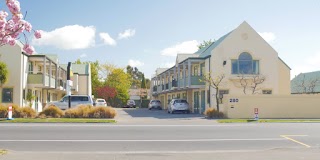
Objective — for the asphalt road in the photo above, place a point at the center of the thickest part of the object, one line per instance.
(161, 141)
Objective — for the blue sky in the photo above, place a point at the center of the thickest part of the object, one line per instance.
(147, 33)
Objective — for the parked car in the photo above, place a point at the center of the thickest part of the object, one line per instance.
(100, 102)
(131, 104)
(178, 105)
(154, 104)
(76, 100)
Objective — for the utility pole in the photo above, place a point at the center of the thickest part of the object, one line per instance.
(69, 84)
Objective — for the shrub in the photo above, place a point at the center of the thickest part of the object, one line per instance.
(212, 113)
(24, 112)
(82, 111)
(87, 111)
(103, 112)
(52, 111)
(3, 111)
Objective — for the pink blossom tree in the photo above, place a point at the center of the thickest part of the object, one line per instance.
(12, 27)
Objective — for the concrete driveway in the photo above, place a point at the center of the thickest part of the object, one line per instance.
(145, 116)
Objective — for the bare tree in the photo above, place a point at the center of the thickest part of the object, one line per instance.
(252, 83)
(215, 83)
(307, 86)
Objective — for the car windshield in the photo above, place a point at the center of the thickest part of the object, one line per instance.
(181, 101)
(101, 100)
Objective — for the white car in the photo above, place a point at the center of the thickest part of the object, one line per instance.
(155, 104)
(131, 104)
(76, 100)
(100, 102)
(178, 105)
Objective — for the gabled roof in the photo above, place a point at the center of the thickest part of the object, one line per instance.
(182, 57)
(206, 51)
(305, 79)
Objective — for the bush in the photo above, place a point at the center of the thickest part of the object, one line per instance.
(103, 112)
(24, 112)
(212, 113)
(3, 111)
(52, 112)
(86, 111)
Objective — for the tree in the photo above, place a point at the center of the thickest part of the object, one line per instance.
(205, 44)
(136, 76)
(30, 97)
(308, 85)
(121, 81)
(107, 93)
(4, 73)
(143, 82)
(215, 83)
(10, 30)
(148, 83)
(251, 82)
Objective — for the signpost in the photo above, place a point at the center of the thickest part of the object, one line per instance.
(256, 114)
(69, 84)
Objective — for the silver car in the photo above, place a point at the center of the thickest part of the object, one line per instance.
(155, 104)
(76, 100)
(178, 105)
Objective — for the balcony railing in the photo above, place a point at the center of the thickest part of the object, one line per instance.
(197, 80)
(35, 79)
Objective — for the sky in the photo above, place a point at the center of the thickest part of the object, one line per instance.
(147, 34)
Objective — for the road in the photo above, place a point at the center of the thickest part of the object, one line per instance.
(197, 140)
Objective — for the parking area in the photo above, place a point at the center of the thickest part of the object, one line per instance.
(145, 116)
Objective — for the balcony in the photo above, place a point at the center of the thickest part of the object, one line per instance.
(196, 80)
(35, 79)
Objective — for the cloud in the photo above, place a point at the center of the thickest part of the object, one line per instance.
(135, 63)
(68, 37)
(184, 47)
(168, 64)
(268, 36)
(309, 64)
(83, 55)
(107, 39)
(127, 33)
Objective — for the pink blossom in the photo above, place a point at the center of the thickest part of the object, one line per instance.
(37, 34)
(28, 26)
(2, 24)
(3, 15)
(12, 41)
(17, 17)
(28, 49)
(14, 6)
(5, 40)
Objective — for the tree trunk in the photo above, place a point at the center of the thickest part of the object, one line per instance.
(217, 98)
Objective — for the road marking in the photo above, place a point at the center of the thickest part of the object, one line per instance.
(116, 125)
(140, 140)
(293, 140)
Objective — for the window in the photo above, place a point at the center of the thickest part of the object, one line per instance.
(195, 71)
(7, 95)
(245, 65)
(266, 91)
(30, 67)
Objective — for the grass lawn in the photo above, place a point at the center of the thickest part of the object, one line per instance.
(269, 121)
(2, 152)
(57, 120)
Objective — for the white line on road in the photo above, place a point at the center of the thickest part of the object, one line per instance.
(115, 125)
(140, 140)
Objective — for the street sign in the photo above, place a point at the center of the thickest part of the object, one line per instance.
(256, 114)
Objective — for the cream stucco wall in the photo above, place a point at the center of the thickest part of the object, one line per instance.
(17, 66)
(246, 39)
(284, 78)
(273, 106)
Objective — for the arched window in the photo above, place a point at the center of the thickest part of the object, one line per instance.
(245, 65)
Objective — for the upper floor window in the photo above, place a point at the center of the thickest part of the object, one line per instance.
(245, 64)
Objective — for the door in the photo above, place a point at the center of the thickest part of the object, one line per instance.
(196, 102)
(203, 102)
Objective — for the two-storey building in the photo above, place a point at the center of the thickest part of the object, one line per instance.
(241, 55)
